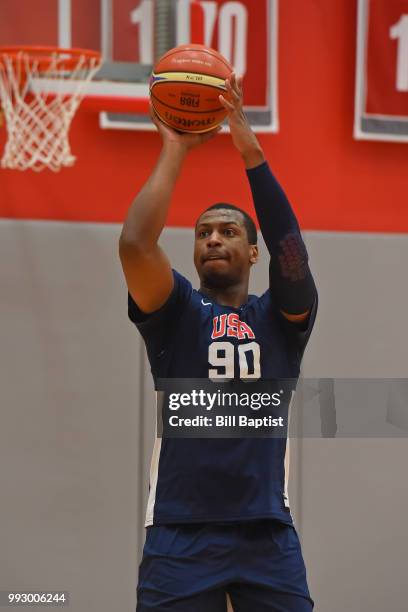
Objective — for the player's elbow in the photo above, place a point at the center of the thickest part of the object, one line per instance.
(129, 244)
(131, 240)
(126, 241)
(135, 236)
(133, 248)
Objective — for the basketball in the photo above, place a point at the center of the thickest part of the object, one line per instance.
(185, 85)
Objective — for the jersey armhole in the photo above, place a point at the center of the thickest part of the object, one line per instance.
(177, 299)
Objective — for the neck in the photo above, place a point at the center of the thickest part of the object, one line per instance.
(234, 296)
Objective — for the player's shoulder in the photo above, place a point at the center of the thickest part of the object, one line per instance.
(193, 299)
(180, 279)
(184, 293)
(262, 303)
(177, 300)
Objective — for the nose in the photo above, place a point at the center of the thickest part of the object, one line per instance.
(214, 239)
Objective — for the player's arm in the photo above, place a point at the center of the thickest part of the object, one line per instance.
(289, 274)
(147, 270)
(290, 278)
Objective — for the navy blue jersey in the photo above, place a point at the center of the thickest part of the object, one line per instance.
(222, 480)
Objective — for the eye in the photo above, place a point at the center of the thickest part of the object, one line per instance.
(229, 231)
(202, 234)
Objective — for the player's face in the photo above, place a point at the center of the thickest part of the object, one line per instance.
(222, 253)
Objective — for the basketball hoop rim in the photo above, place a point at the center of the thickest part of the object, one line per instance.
(45, 54)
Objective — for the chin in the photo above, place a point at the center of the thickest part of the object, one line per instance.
(218, 279)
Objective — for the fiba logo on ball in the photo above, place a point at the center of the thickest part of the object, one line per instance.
(190, 100)
(185, 85)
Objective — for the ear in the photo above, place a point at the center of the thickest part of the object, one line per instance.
(253, 254)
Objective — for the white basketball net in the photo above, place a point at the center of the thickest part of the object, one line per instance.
(38, 121)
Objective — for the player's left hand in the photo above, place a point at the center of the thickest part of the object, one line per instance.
(243, 137)
(186, 141)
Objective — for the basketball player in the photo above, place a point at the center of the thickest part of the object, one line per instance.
(218, 519)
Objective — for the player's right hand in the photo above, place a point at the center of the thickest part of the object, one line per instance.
(183, 139)
(242, 135)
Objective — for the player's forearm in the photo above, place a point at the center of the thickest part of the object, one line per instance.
(290, 276)
(274, 212)
(253, 156)
(246, 142)
(147, 215)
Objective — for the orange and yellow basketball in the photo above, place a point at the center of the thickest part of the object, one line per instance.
(185, 85)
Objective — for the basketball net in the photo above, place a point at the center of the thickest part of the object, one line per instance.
(38, 121)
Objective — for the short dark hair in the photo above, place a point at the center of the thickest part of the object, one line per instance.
(248, 221)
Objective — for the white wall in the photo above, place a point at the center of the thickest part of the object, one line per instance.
(77, 415)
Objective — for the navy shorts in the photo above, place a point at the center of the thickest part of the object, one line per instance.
(192, 567)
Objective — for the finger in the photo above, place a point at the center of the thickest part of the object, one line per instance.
(232, 92)
(228, 105)
(231, 82)
(240, 83)
(236, 83)
(153, 114)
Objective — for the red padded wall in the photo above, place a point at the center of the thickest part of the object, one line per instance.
(334, 182)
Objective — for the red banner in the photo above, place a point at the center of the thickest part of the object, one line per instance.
(382, 70)
(243, 31)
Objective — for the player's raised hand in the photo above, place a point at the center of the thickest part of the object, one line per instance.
(243, 137)
(186, 141)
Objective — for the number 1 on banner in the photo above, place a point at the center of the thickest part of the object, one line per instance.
(400, 31)
(143, 17)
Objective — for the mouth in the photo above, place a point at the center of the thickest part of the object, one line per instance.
(214, 257)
